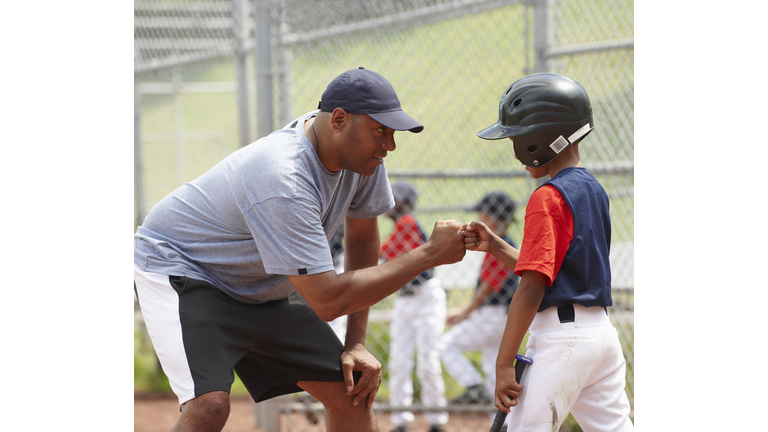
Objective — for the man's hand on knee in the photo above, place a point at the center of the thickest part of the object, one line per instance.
(359, 359)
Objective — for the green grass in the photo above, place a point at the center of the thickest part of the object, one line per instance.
(148, 377)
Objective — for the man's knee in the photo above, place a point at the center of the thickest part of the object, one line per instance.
(344, 404)
(209, 408)
(333, 396)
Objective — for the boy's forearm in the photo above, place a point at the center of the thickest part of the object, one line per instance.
(504, 252)
(522, 310)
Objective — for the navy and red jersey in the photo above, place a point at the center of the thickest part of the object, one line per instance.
(567, 238)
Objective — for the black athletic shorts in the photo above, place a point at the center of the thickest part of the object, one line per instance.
(271, 346)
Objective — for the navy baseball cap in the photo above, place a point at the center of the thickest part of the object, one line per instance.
(361, 91)
(498, 204)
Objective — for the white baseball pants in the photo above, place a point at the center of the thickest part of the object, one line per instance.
(578, 367)
(417, 322)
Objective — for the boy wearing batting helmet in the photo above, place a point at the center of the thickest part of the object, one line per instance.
(565, 286)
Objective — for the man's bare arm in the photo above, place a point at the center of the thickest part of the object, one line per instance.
(331, 295)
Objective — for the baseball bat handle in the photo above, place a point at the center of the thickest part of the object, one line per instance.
(520, 365)
(498, 421)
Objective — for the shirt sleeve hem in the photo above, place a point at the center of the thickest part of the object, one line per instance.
(519, 269)
(299, 271)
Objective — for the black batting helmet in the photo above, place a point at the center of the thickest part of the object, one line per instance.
(544, 113)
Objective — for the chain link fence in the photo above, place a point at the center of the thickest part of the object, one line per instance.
(214, 75)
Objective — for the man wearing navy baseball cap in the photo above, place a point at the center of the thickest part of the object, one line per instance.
(355, 127)
(234, 272)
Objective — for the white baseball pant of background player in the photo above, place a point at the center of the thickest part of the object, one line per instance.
(481, 331)
(418, 321)
(339, 325)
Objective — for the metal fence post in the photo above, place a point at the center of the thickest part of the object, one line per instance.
(268, 414)
(138, 166)
(178, 125)
(540, 36)
(263, 56)
(283, 64)
(240, 35)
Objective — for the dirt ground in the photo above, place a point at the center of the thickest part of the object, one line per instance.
(159, 414)
(152, 413)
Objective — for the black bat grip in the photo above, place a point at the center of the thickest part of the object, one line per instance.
(498, 421)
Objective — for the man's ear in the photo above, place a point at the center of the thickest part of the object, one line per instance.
(338, 118)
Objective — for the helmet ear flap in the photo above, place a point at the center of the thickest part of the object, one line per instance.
(532, 150)
(527, 151)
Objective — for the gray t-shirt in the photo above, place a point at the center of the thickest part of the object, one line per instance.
(266, 211)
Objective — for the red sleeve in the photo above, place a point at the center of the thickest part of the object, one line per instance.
(547, 234)
(494, 272)
(405, 237)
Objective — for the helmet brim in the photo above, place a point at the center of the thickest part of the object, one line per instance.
(397, 120)
(496, 131)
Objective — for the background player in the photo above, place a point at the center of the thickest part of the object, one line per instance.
(479, 325)
(565, 286)
(418, 320)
